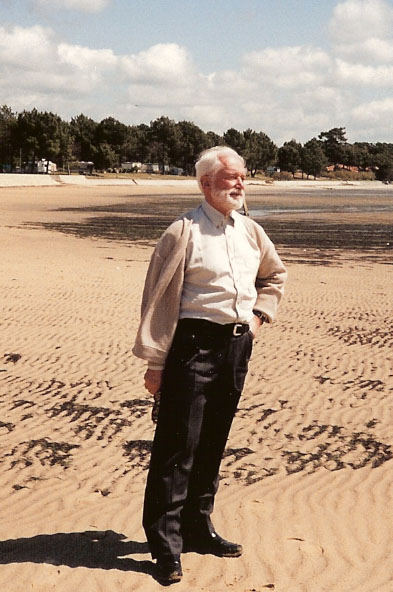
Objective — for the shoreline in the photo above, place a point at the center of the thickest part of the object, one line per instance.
(316, 222)
(35, 180)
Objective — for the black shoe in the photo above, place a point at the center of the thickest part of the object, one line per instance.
(213, 544)
(169, 569)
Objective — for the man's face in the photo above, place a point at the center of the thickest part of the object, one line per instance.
(225, 190)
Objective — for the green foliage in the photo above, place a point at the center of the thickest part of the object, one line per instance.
(384, 171)
(334, 145)
(313, 159)
(289, 156)
(213, 139)
(105, 157)
(65, 144)
(7, 127)
(32, 135)
(192, 141)
(115, 134)
(234, 139)
(83, 132)
(259, 151)
(165, 140)
(361, 155)
(139, 143)
(257, 148)
(39, 135)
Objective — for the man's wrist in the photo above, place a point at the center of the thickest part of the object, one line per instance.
(261, 316)
(155, 367)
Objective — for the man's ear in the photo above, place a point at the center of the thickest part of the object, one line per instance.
(205, 182)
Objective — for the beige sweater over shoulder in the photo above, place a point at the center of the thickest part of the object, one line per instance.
(164, 284)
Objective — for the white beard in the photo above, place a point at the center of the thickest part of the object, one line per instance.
(229, 199)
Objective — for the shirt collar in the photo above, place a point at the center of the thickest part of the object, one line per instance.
(215, 216)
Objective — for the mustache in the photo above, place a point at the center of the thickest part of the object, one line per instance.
(225, 194)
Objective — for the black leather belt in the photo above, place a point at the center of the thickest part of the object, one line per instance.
(208, 328)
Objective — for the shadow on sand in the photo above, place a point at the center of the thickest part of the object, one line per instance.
(323, 236)
(93, 549)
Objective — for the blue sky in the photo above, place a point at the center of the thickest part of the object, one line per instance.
(216, 32)
(289, 68)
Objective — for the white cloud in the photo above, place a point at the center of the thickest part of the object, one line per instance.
(362, 31)
(25, 48)
(89, 6)
(85, 59)
(369, 51)
(375, 113)
(284, 91)
(358, 75)
(276, 90)
(33, 63)
(358, 20)
(160, 64)
(288, 66)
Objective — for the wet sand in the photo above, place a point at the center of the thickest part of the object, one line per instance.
(359, 219)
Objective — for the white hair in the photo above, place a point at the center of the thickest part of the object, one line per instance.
(210, 161)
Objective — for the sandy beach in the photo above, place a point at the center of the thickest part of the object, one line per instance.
(306, 483)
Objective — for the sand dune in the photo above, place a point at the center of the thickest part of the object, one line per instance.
(306, 479)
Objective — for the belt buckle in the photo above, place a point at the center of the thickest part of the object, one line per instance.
(237, 329)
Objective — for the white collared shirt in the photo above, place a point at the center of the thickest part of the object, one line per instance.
(222, 261)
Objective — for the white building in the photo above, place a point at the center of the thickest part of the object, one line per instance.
(45, 166)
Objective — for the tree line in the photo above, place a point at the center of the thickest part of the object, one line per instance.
(28, 136)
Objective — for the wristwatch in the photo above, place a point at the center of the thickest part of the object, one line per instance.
(261, 316)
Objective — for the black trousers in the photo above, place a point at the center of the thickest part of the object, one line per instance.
(202, 383)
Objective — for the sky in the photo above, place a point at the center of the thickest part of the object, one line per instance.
(289, 68)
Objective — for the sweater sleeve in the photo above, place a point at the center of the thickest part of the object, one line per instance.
(161, 296)
(271, 276)
(157, 262)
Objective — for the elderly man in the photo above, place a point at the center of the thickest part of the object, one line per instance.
(213, 280)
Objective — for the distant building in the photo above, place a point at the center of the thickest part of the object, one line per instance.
(131, 167)
(151, 167)
(82, 167)
(342, 167)
(176, 170)
(45, 166)
(272, 169)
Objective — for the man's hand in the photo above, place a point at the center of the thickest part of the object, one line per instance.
(153, 380)
(255, 323)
